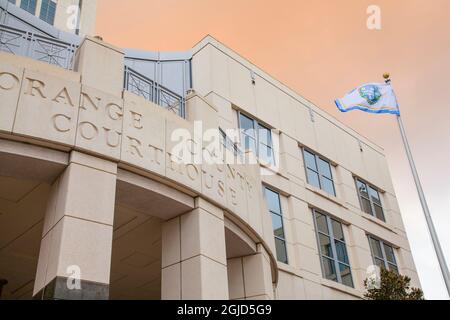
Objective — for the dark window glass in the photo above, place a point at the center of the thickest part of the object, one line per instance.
(29, 5)
(313, 178)
(48, 11)
(273, 201)
(370, 200)
(365, 204)
(383, 254)
(310, 160)
(322, 224)
(374, 196)
(333, 250)
(277, 222)
(341, 252)
(362, 188)
(319, 173)
(274, 205)
(379, 212)
(325, 245)
(280, 246)
(389, 253)
(346, 275)
(376, 248)
(257, 138)
(324, 169)
(328, 186)
(329, 269)
(338, 232)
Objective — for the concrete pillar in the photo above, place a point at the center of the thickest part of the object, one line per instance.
(75, 255)
(101, 65)
(250, 277)
(194, 265)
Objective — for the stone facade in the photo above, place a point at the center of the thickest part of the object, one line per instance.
(115, 216)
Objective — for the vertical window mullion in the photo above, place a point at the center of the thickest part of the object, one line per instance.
(386, 263)
(333, 249)
(318, 171)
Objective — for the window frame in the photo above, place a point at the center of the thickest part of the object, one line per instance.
(333, 239)
(280, 215)
(27, 6)
(47, 10)
(386, 262)
(256, 137)
(228, 144)
(369, 198)
(319, 174)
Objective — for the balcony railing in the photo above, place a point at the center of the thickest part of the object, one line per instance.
(152, 91)
(62, 54)
(37, 47)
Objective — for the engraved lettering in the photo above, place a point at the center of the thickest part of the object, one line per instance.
(8, 81)
(134, 145)
(192, 172)
(61, 122)
(108, 137)
(221, 188)
(114, 111)
(208, 179)
(88, 130)
(86, 97)
(136, 117)
(64, 94)
(35, 86)
(156, 152)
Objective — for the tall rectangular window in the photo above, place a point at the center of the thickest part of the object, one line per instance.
(370, 199)
(274, 205)
(383, 254)
(333, 249)
(48, 11)
(257, 138)
(29, 5)
(318, 172)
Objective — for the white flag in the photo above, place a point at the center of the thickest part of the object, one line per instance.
(371, 97)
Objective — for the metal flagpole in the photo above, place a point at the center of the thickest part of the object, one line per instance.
(423, 201)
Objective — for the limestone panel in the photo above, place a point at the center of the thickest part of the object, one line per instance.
(10, 82)
(48, 108)
(100, 123)
(144, 135)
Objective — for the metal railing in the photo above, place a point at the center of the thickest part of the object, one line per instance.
(152, 91)
(37, 47)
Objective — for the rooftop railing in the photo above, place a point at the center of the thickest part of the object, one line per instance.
(152, 91)
(37, 47)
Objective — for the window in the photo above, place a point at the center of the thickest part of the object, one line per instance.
(12, 1)
(318, 172)
(257, 138)
(29, 5)
(274, 205)
(383, 254)
(227, 143)
(332, 249)
(48, 11)
(370, 200)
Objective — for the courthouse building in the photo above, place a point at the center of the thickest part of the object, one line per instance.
(97, 203)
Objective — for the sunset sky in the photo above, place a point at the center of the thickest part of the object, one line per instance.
(322, 49)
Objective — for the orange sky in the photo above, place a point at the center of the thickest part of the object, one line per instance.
(322, 49)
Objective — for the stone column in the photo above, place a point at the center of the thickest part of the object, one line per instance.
(101, 65)
(250, 277)
(75, 255)
(194, 262)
